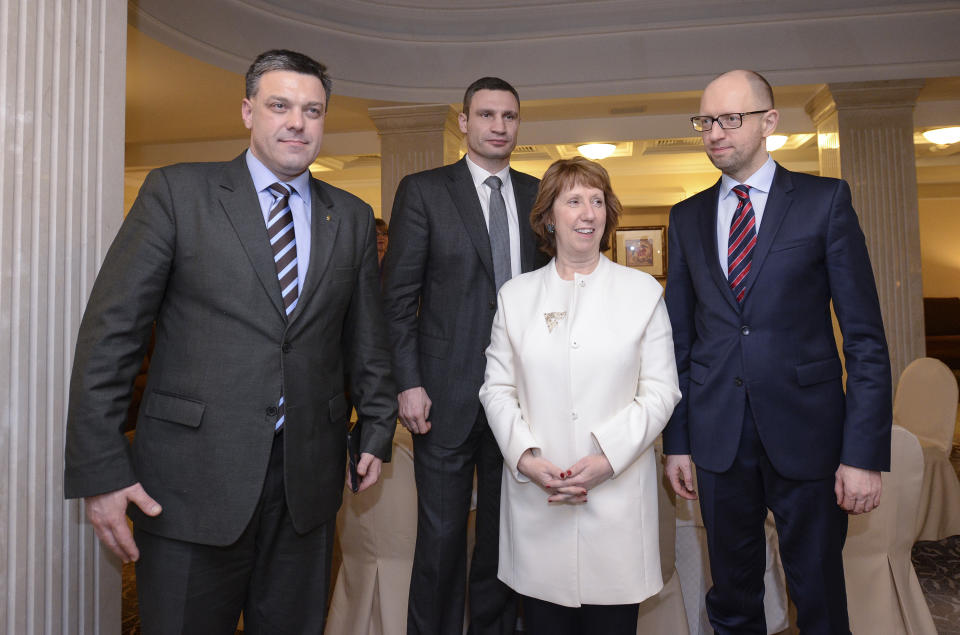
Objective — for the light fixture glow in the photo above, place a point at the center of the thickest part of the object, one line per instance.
(943, 136)
(776, 141)
(597, 151)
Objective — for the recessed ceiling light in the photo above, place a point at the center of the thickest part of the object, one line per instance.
(943, 136)
(597, 151)
(776, 141)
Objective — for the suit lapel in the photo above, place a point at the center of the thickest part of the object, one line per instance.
(324, 223)
(525, 192)
(242, 207)
(778, 204)
(708, 236)
(467, 204)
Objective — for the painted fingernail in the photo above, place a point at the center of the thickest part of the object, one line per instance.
(569, 472)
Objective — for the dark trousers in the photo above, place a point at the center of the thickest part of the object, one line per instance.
(811, 529)
(444, 479)
(545, 618)
(277, 577)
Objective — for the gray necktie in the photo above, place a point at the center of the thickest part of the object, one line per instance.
(499, 232)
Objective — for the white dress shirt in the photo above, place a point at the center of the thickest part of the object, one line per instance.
(483, 192)
(759, 182)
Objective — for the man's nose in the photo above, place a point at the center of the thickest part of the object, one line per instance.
(295, 119)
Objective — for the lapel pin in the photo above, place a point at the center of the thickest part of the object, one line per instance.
(328, 218)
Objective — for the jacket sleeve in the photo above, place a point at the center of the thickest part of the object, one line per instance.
(112, 341)
(632, 430)
(681, 302)
(366, 352)
(869, 419)
(498, 394)
(404, 268)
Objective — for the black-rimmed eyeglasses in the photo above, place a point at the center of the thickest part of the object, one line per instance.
(728, 121)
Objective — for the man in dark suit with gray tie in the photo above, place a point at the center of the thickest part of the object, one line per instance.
(456, 234)
(263, 285)
(755, 263)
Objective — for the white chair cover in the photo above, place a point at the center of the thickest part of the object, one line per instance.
(377, 533)
(926, 405)
(883, 593)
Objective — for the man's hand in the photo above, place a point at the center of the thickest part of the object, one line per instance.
(368, 469)
(679, 469)
(543, 472)
(415, 410)
(583, 476)
(857, 490)
(108, 514)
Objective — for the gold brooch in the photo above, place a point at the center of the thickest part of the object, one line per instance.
(553, 319)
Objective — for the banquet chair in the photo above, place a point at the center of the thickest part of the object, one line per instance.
(665, 612)
(377, 532)
(926, 405)
(883, 593)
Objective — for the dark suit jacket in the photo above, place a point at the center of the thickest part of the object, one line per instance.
(779, 346)
(439, 292)
(194, 256)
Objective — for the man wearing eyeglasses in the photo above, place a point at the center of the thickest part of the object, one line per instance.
(755, 262)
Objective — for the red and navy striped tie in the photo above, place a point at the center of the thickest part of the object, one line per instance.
(743, 238)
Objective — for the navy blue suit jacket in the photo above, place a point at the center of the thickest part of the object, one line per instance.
(778, 347)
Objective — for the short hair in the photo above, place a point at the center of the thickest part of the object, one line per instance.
(561, 176)
(486, 83)
(760, 87)
(284, 60)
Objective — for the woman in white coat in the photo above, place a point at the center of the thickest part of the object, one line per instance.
(580, 380)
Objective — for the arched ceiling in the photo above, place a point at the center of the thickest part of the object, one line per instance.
(426, 50)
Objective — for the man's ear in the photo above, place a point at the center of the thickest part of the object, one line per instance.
(462, 120)
(246, 113)
(770, 120)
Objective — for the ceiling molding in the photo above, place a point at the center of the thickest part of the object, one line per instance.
(428, 50)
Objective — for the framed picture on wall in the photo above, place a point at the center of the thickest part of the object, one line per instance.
(643, 248)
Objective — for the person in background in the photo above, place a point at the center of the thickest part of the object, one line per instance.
(755, 263)
(263, 285)
(580, 380)
(456, 234)
(383, 239)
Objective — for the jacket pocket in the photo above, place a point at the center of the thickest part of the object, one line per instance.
(338, 408)
(434, 346)
(343, 274)
(698, 372)
(793, 244)
(175, 409)
(820, 371)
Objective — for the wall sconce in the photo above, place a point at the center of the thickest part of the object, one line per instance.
(943, 136)
(597, 151)
(776, 141)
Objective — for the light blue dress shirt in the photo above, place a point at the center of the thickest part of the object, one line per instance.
(263, 178)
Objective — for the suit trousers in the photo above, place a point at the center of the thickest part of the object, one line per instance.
(811, 528)
(279, 579)
(444, 479)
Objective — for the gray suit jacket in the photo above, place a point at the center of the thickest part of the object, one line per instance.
(193, 255)
(439, 292)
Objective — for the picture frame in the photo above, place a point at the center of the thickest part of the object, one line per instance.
(643, 248)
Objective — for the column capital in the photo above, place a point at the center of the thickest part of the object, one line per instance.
(416, 118)
(901, 93)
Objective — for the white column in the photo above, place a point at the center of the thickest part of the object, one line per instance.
(61, 186)
(865, 135)
(413, 138)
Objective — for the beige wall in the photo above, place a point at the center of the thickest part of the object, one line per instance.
(939, 233)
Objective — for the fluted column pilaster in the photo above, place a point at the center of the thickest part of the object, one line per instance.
(865, 136)
(413, 138)
(61, 182)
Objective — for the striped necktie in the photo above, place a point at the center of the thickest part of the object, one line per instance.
(743, 238)
(283, 241)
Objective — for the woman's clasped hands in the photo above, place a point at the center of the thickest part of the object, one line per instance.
(570, 485)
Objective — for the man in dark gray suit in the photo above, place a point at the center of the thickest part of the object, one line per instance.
(263, 285)
(456, 234)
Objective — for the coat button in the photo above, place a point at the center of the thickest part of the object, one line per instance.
(573, 416)
(286, 347)
(272, 411)
(493, 306)
(737, 382)
(744, 330)
(574, 344)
